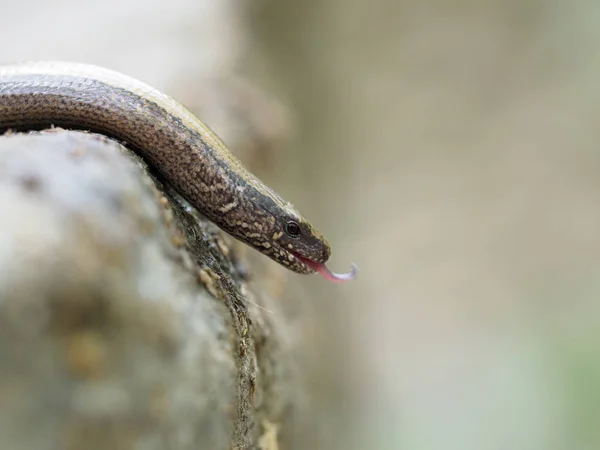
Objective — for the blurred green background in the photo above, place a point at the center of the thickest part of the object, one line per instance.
(454, 149)
(450, 149)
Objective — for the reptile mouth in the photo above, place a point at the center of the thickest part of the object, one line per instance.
(324, 271)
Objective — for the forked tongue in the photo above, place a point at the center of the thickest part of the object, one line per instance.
(331, 276)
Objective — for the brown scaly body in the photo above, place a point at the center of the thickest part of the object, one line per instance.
(174, 142)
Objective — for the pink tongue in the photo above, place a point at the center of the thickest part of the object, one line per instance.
(325, 272)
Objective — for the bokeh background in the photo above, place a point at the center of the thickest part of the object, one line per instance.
(450, 149)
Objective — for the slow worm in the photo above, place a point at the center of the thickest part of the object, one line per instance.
(175, 143)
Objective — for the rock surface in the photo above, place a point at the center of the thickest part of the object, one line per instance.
(123, 322)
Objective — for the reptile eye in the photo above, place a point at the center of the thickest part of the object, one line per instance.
(292, 229)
